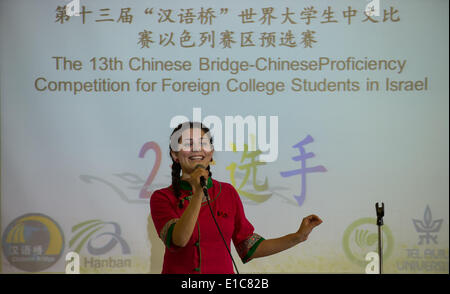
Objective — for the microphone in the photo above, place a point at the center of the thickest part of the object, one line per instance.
(203, 181)
(205, 189)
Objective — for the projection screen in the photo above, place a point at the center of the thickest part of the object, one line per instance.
(324, 107)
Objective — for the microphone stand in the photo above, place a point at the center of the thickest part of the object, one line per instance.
(380, 214)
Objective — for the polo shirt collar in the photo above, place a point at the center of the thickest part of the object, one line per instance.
(184, 185)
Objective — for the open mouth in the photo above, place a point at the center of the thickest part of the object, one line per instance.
(196, 157)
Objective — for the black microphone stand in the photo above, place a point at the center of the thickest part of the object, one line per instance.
(380, 214)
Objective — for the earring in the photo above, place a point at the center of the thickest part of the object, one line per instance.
(212, 162)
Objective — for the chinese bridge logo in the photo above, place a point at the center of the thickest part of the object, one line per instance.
(427, 227)
(33, 242)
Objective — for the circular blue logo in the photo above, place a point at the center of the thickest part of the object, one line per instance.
(33, 242)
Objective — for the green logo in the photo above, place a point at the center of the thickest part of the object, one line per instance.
(361, 237)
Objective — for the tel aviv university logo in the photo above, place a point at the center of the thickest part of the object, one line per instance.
(33, 242)
(427, 228)
(103, 241)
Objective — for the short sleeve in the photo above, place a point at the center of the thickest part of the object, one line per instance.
(244, 238)
(164, 217)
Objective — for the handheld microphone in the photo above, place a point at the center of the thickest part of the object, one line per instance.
(203, 184)
(203, 181)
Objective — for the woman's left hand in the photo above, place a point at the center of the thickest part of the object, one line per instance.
(307, 225)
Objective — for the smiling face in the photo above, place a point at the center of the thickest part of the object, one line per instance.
(194, 148)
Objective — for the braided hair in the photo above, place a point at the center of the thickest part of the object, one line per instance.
(176, 166)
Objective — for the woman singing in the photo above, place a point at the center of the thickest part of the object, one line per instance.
(184, 222)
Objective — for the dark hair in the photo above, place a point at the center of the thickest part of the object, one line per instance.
(176, 167)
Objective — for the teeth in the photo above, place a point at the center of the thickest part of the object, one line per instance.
(196, 157)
